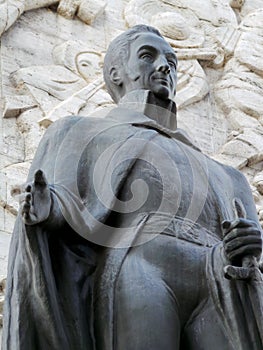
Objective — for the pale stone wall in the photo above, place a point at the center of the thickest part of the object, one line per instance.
(51, 58)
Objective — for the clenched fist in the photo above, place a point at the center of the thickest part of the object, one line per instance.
(242, 238)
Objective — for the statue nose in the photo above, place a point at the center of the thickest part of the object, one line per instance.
(162, 66)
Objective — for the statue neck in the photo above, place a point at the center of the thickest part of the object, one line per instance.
(144, 101)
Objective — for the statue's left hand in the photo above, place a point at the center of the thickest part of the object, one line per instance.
(36, 200)
(242, 238)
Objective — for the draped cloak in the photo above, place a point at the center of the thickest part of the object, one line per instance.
(62, 273)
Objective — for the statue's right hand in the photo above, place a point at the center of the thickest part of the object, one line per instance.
(36, 200)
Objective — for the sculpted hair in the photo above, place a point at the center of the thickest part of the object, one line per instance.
(118, 53)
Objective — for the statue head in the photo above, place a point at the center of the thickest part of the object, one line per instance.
(140, 58)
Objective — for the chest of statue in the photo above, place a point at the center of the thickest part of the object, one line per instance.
(171, 177)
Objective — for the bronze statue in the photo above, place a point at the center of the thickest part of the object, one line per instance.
(129, 238)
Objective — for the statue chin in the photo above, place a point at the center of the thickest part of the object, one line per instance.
(162, 92)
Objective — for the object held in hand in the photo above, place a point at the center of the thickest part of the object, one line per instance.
(250, 269)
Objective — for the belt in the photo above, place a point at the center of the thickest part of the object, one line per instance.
(178, 227)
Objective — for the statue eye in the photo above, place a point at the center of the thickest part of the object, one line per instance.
(147, 56)
(172, 64)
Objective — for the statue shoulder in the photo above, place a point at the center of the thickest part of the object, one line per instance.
(235, 174)
(71, 120)
(63, 125)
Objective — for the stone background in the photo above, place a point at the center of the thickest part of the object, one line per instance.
(51, 59)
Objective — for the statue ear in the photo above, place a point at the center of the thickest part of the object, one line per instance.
(115, 76)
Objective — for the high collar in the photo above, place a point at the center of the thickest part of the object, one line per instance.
(163, 112)
(142, 108)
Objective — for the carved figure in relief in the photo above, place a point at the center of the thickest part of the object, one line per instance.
(86, 10)
(126, 229)
(61, 89)
(75, 66)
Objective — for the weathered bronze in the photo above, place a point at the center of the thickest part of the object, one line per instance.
(128, 237)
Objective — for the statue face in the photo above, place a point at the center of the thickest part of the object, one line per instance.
(152, 66)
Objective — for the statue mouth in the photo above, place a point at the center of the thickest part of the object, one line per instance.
(162, 80)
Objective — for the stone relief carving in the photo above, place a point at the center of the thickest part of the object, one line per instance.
(243, 77)
(10, 11)
(244, 72)
(85, 10)
(250, 6)
(170, 20)
(65, 87)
